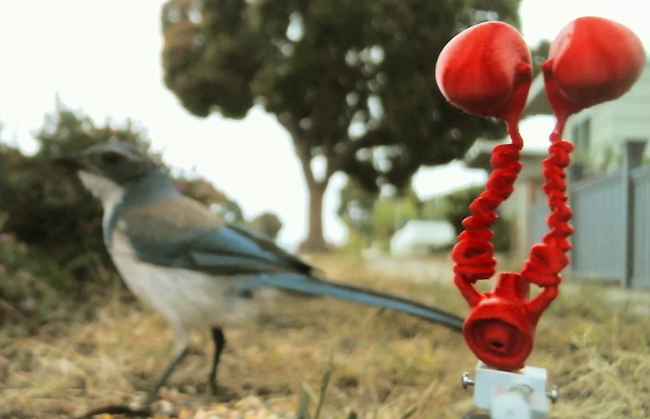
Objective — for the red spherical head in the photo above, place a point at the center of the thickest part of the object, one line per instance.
(486, 70)
(592, 60)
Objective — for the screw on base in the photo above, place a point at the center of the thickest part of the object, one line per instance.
(553, 395)
(466, 380)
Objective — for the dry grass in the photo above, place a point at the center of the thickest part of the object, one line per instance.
(384, 364)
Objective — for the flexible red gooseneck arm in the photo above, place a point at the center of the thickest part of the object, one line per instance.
(486, 70)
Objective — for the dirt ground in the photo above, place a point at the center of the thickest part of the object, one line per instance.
(384, 365)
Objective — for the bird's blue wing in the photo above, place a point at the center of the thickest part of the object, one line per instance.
(180, 232)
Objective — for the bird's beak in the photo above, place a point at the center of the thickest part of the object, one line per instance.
(71, 161)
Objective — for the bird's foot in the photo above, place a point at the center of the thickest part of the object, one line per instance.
(114, 409)
(151, 396)
(222, 394)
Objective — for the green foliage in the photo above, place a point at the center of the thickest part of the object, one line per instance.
(204, 192)
(351, 81)
(374, 219)
(355, 243)
(47, 208)
(355, 210)
(32, 291)
(433, 209)
(455, 208)
(390, 215)
(303, 407)
(267, 224)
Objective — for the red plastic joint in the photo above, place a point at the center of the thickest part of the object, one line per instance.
(500, 328)
(486, 70)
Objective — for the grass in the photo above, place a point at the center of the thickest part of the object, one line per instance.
(379, 364)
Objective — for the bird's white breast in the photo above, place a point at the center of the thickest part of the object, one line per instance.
(187, 299)
(108, 192)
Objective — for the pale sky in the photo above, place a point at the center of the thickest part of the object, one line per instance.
(104, 57)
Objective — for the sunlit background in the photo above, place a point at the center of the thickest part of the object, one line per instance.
(104, 57)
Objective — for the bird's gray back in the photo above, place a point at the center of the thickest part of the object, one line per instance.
(187, 298)
(169, 219)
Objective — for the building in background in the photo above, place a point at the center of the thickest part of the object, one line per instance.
(608, 187)
(597, 132)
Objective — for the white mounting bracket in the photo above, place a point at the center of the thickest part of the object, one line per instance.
(511, 395)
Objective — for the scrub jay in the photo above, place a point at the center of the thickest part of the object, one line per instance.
(192, 267)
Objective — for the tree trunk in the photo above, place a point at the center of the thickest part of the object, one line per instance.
(315, 241)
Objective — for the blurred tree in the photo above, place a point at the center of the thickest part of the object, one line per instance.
(351, 81)
(204, 192)
(391, 214)
(431, 209)
(2, 165)
(369, 216)
(230, 211)
(267, 224)
(355, 210)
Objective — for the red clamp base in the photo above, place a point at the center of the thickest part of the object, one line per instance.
(500, 329)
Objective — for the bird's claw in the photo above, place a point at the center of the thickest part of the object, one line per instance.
(213, 388)
(221, 393)
(116, 409)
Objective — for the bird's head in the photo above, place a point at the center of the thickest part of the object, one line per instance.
(107, 169)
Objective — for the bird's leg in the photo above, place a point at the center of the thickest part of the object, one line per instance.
(182, 345)
(219, 343)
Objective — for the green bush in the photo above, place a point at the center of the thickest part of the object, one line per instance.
(30, 294)
(49, 210)
(267, 224)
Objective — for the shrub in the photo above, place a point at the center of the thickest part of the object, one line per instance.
(267, 224)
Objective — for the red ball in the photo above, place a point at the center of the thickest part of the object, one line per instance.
(592, 60)
(486, 70)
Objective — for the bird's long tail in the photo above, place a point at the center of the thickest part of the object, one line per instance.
(317, 286)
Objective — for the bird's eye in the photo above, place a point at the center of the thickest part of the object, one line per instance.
(111, 157)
